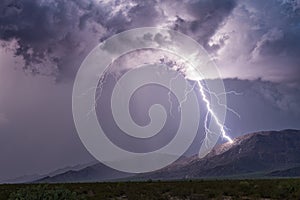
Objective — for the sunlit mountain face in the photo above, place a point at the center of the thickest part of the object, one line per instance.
(255, 45)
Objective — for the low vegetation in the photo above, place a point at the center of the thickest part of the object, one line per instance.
(43, 192)
(192, 189)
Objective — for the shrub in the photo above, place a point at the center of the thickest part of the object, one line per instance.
(44, 192)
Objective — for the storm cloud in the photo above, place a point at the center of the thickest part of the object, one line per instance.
(46, 34)
(52, 37)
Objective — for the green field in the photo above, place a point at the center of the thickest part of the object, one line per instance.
(200, 189)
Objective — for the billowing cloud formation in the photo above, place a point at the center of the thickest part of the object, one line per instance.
(249, 39)
(54, 36)
(44, 33)
(204, 19)
(261, 39)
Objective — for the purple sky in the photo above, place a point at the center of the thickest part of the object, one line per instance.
(255, 43)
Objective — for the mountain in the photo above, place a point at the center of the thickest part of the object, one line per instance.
(22, 179)
(34, 177)
(93, 173)
(261, 154)
(255, 155)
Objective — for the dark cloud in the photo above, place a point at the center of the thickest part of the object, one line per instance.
(207, 17)
(282, 38)
(45, 32)
(54, 36)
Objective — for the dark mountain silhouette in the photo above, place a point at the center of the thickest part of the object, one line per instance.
(260, 154)
(255, 155)
(94, 173)
(22, 179)
(34, 177)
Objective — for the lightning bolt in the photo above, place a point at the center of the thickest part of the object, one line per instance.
(181, 68)
(212, 114)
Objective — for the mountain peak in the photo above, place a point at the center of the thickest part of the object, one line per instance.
(255, 138)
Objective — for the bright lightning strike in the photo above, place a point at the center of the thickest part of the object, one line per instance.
(185, 70)
(212, 114)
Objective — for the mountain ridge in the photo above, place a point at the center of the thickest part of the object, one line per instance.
(259, 154)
